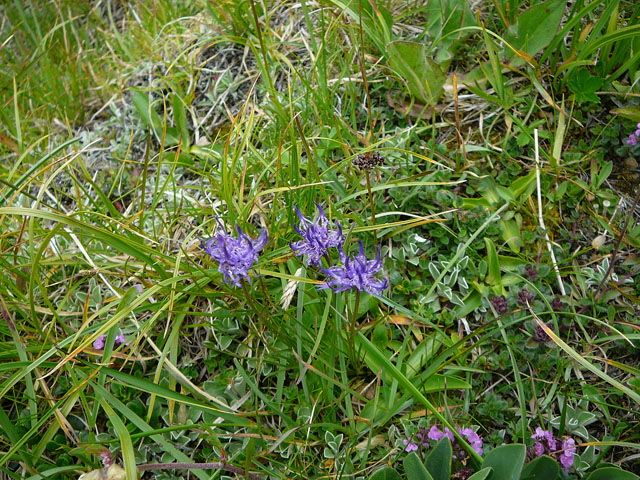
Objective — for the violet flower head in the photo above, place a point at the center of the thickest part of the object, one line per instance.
(634, 138)
(356, 272)
(100, 342)
(317, 237)
(568, 453)
(500, 304)
(470, 435)
(436, 434)
(473, 438)
(545, 444)
(235, 255)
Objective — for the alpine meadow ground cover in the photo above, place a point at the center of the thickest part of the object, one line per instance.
(368, 239)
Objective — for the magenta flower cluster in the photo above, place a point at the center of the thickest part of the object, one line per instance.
(546, 444)
(354, 272)
(634, 138)
(235, 255)
(434, 433)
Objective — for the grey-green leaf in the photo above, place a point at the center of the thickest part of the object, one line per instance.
(530, 34)
(424, 77)
(415, 469)
(506, 461)
(438, 462)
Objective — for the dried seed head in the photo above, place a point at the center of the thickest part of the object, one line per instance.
(368, 161)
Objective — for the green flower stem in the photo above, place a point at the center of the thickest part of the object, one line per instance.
(353, 318)
(371, 205)
(261, 312)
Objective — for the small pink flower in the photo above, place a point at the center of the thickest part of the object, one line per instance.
(98, 344)
(410, 446)
(436, 434)
(473, 438)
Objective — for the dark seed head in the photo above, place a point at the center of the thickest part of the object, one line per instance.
(368, 161)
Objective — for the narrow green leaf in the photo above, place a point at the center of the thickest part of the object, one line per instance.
(511, 234)
(144, 427)
(135, 249)
(580, 359)
(384, 364)
(55, 472)
(126, 446)
(160, 391)
(44, 418)
(522, 187)
(494, 278)
(10, 430)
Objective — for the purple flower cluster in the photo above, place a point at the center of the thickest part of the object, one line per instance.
(235, 254)
(546, 444)
(525, 297)
(99, 342)
(423, 436)
(634, 138)
(317, 237)
(500, 304)
(355, 272)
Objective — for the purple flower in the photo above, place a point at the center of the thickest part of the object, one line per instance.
(556, 304)
(235, 255)
(531, 273)
(500, 304)
(356, 272)
(317, 237)
(436, 434)
(634, 138)
(547, 445)
(540, 335)
(525, 297)
(410, 446)
(473, 438)
(547, 436)
(99, 342)
(569, 451)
